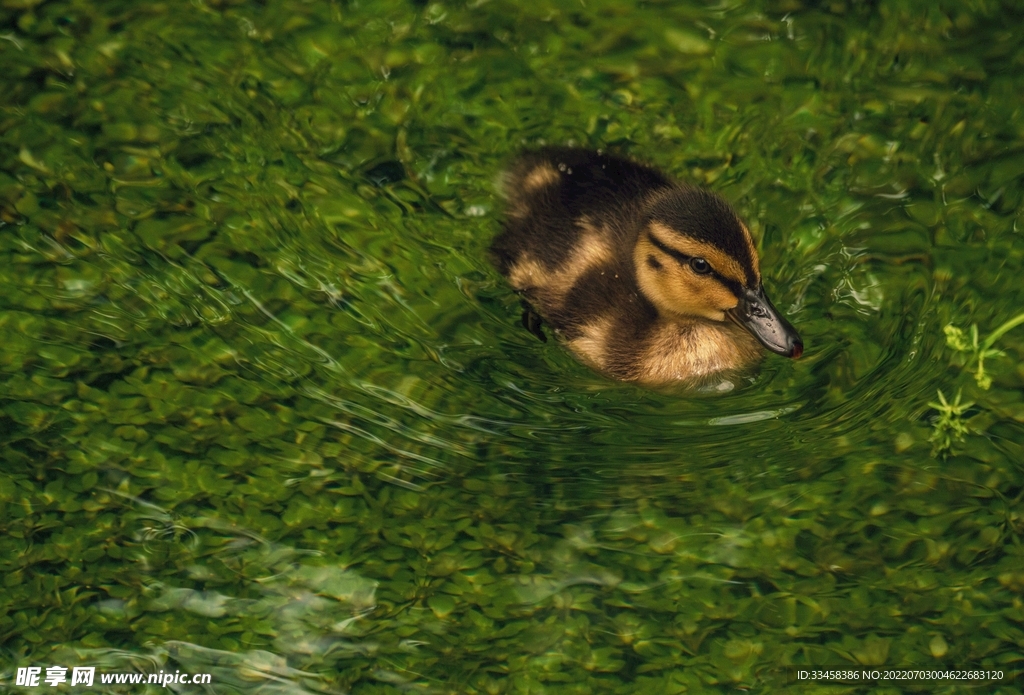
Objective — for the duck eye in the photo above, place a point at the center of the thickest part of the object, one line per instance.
(700, 266)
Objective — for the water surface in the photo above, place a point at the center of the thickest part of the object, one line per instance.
(267, 412)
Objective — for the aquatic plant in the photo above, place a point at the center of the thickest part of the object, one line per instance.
(949, 426)
(267, 413)
(978, 351)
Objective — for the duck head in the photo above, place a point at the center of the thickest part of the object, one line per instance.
(695, 258)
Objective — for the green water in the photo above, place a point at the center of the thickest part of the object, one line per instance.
(266, 411)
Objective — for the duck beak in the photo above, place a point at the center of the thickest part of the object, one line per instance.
(756, 313)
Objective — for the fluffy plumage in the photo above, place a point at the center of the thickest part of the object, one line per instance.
(645, 279)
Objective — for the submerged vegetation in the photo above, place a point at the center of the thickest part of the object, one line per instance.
(266, 411)
(976, 353)
(949, 425)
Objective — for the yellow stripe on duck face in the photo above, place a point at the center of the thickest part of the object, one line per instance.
(674, 287)
(721, 262)
(752, 247)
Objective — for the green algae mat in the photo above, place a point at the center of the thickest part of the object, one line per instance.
(268, 414)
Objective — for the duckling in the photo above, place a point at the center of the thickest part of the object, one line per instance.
(644, 278)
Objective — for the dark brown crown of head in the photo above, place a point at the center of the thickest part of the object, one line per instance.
(706, 217)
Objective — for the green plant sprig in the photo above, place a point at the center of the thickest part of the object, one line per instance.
(978, 351)
(949, 426)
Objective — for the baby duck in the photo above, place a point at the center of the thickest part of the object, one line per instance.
(645, 279)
